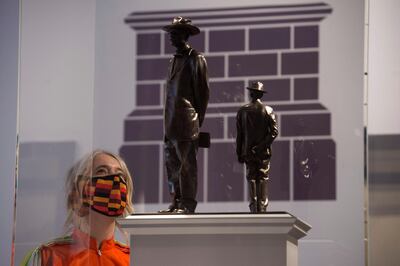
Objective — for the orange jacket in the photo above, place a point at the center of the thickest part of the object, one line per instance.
(79, 249)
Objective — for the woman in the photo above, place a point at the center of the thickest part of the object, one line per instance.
(99, 189)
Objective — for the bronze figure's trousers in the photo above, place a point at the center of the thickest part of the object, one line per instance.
(181, 163)
(257, 177)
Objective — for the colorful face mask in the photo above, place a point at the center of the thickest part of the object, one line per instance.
(106, 195)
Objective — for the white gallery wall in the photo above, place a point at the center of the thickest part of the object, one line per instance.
(56, 101)
(9, 24)
(384, 67)
(384, 125)
(57, 71)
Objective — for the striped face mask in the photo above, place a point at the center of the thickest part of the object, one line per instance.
(106, 195)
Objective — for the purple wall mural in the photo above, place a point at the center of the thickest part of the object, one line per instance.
(277, 45)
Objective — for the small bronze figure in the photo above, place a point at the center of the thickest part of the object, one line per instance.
(187, 94)
(256, 130)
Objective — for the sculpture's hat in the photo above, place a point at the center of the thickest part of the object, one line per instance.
(257, 86)
(182, 23)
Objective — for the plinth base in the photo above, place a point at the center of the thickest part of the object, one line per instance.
(214, 239)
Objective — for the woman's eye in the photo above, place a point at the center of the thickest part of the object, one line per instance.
(101, 171)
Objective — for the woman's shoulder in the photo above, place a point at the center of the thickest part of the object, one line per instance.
(41, 253)
(122, 247)
(59, 246)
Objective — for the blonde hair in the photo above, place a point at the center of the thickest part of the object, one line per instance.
(76, 175)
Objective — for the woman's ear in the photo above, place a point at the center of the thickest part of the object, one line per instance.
(82, 211)
(79, 207)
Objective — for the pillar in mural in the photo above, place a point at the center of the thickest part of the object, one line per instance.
(277, 45)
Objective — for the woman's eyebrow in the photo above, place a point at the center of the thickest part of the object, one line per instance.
(108, 167)
(102, 166)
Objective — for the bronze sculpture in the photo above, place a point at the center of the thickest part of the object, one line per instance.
(256, 130)
(187, 94)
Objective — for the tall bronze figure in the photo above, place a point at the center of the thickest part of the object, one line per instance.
(256, 130)
(187, 94)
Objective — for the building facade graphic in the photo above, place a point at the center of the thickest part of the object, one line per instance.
(275, 44)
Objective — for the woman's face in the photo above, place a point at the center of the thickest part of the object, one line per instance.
(104, 164)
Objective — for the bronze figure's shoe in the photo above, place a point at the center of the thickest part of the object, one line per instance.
(170, 209)
(182, 211)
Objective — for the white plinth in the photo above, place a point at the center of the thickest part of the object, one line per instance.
(214, 239)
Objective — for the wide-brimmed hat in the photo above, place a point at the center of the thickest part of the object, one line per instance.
(182, 23)
(257, 86)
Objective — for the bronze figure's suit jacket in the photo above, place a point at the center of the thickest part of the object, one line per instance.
(256, 130)
(187, 94)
